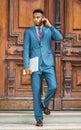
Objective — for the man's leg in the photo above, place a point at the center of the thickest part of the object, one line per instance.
(50, 77)
(36, 79)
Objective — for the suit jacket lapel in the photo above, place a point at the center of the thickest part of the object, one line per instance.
(35, 33)
(43, 31)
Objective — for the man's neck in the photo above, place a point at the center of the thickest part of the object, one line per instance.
(39, 25)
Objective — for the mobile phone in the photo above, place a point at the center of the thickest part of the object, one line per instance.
(44, 21)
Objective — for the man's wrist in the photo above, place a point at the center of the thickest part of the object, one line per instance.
(50, 25)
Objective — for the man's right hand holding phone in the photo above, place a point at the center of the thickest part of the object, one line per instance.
(46, 22)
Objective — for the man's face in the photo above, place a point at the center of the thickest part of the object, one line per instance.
(37, 18)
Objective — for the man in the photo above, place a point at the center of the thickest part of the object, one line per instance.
(37, 43)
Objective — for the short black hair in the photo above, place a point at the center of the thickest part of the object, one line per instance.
(38, 11)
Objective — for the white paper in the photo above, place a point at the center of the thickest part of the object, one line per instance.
(33, 65)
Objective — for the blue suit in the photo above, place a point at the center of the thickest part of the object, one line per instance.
(42, 49)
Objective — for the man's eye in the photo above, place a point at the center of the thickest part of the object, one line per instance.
(36, 17)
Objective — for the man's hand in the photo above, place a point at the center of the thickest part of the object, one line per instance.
(46, 21)
(28, 71)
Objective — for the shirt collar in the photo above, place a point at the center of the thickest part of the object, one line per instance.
(40, 27)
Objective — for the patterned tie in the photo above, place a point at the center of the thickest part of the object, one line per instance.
(39, 33)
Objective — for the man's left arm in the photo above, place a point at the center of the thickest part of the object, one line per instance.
(55, 34)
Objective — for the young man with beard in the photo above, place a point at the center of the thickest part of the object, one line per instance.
(37, 43)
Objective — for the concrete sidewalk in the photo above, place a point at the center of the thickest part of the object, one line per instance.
(24, 120)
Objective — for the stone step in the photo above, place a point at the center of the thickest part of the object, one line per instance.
(24, 120)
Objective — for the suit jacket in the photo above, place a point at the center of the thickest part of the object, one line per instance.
(33, 47)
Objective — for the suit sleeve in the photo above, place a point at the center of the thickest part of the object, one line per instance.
(26, 49)
(55, 34)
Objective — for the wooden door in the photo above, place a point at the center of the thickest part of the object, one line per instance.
(15, 17)
(71, 56)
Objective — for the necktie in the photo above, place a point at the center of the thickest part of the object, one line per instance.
(39, 33)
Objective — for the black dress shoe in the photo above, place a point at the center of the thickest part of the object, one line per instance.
(39, 123)
(46, 110)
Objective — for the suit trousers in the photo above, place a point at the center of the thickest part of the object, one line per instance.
(36, 79)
